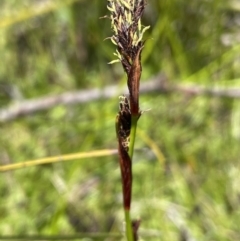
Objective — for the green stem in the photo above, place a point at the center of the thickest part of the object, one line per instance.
(134, 120)
(129, 231)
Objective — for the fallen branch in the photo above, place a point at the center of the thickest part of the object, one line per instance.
(157, 84)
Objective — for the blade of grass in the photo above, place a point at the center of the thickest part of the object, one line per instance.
(70, 157)
(202, 76)
(153, 145)
(32, 12)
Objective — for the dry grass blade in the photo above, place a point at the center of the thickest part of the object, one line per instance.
(61, 158)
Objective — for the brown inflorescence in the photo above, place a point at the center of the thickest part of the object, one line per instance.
(127, 35)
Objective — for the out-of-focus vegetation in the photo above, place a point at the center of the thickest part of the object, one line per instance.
(49, 47)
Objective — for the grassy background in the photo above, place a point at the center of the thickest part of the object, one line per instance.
(49, 47)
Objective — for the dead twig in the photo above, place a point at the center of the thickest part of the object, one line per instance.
(157, 84)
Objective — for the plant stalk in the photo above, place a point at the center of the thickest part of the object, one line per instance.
(129, 230)
(134, 120)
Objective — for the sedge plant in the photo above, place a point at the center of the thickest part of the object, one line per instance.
(125, 16)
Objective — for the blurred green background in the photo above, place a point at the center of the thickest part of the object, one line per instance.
(186, 165)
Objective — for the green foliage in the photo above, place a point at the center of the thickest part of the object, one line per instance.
(194, 193)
